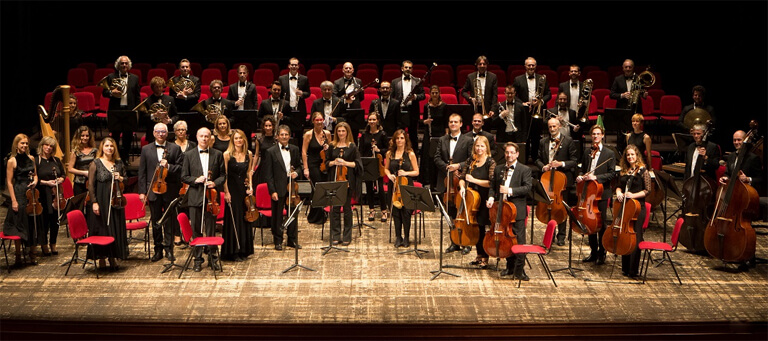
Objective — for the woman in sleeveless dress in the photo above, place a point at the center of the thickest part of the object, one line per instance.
(315, 141)
(80, 158)
(20, 176)
(400, 162)
(237, 232)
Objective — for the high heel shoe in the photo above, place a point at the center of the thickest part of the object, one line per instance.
(384, 217)
(113, 266)
(53, 250)
(18, 262)
(371, 215)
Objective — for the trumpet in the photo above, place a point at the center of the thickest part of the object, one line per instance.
(211, 112)
(562, 121)
(508, 119)
(181, 85)
(585, 98)
(118, 83)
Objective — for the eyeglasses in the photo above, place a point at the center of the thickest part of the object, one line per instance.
(180, 129)
(161, 131)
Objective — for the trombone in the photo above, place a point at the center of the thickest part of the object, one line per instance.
(539, 96)
(479, 97)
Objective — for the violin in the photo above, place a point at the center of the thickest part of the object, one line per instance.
(554, 183)
(212, 198)
(698, 195)
(341, 171)
(586, 211)
(498, 243)
(183, 195)
(34, 207)
(251, 212)
(729, 236)
(397, 199)
(380, 158)
(323, 167)
(620, 238)
(451, 187)
(293, 191)
(118, 200)
(159, 185)
(57, 196)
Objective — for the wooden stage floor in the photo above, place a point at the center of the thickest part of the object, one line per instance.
(372, 292)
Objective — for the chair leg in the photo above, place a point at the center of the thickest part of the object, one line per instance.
(5, 252)
(673, 267)
(546, 268)
(646, 254)
(189, 259)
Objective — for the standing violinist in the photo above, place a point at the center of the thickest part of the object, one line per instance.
(700, 146)
(236, 231)
(400, 163)
(18, 180)
(558, 151)
(280, 162)
(515, 189)
(314, 143)
(343, 156)
(156, 157)
(50, 173)
(452, 149)
(633, 167)
(203, 170)
(598, 155)
(374, 142)
(477, 173)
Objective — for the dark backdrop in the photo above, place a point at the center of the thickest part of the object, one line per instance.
(721, 45)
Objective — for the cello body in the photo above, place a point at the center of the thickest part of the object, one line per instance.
(729, 235)
(554, 183)
(698, 193)
(620, 238)
(465, 231)
(586, 210)
(499, 241)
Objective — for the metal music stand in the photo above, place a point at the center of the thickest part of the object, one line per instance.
(572, 220)
(447, 218)
(288, 221)
(539, 194)
(370, 173)
(670, 189)
(416, 198)
(330, 194)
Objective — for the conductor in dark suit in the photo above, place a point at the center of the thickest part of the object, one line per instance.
(329, 105)
(344, 86)
(709, 150)
(483, 81)
(526, 85)
(562, 159)
(188, 97)
(510, 118)
(388, 107)
(126, 98)
(622, 87)
(606, 160)
(408, 87)
(156, 155)
(280, 160)
(216, 99)
(198, 163)
(297, 88)
(515, 189)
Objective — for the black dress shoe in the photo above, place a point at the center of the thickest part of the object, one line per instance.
(398, 242)
(561, 241)
(198, 267)
(406, 243)
(279, 247)
(591, 258)
(452, 248)
(157, 256)
(170, 257)
(523, 277)
(600, 259)
(295, 246)
(506, 272)
(466, 250)
(215, 265)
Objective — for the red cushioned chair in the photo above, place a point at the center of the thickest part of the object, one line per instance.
(647, 247)
(209, 75)
(264, 205)
(10, 239)
(78, 77)
(78, 230)
(199, 242)
(539, 250)
(263, 77)
(134, 213)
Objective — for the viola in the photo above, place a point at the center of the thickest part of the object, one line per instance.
(620, 238)
(323, 166)
(498, 243)
(729, 236)
(554, 183)
(117, 200)
(183, 195)
(159, 185)
(381, 160)
(293, 191)
(57, 196)
(34, 207)
(212, 198)
(397, 200)
(698, 195)
(251, 212)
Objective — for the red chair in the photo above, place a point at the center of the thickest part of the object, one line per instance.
(157, 72)
(170, 68)
(10, 239)
(446, 90)
(647, 247)
(440, 77)
(600, 98)
(134, 213)
(501, 79)
(138, 74)
(316, 77)
(449, 98)
(656, 94)
(86, 102)
(100, 73)
(552, 78)
(539, 250)
(336, 74)
(199, 242)
(89, 67)
(600, 78)
(322, 66)
(670, 107)
(221, 66)
(78, 77)
(235, 66)
(391, 74)
(263, 77)
(264, 206)
(608, 102)
(78, 230)
(270, 66)
(461, 77)
(209, 75)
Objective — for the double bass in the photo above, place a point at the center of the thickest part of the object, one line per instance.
(466, 231)
(729, 236)
(620, 238)
(586, 210)
(698, 194)
(554, 183)
(498, 243)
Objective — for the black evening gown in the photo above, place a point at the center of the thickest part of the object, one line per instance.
(100, 188)
(19, 223)
(221, 145)
(236, 174)
(316, 215)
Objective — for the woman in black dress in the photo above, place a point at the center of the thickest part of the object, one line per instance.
(476, 173)
(80, 158)
(222, 134)
(266, 141)
(400, 162)
(633, 168)
(237, 232)
(373, 143)
(315, 141)
(181, 133)
(20, 175)
(103, 219)
(435, 120)
(640, 139)
(50, 172)
(344, 154)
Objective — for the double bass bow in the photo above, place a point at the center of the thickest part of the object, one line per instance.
(620, 238)
(698, 196)
(554, 183)
(498, 243)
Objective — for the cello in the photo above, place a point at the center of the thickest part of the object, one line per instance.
(554, 183)
(698, 194)
(498, 243)
(586, 210)
(466, 231)
(729, 236)
(620, 238)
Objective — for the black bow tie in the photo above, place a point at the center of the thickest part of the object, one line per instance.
(481, 75)
(474, 134)
(348, 81)
(203, 151)
(241, 84)
(216, 100)
(384, 100)
(511, 167)
(406, 78)
(292, 78)
(531, 77)
(455, 138)
(159, 146)
(124, 76)
(326, 100)
(275, 100)
(284, 147)
(574, 85)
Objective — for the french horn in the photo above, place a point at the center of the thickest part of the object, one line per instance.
(211, 112)
(182, 84)
(158, 112)
(118, 83)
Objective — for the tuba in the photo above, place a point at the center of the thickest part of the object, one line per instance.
(644, 80)
(585, 98)
(182, 84)
(211, 112)
(118, 83)
(158, 112)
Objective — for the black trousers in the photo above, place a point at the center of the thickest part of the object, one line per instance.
(162, 235)
(277, 223)
(402, 221)
(370, 196)
(48, 224)
(596, 239)
(209, 228)
(515, 263)
(336, 232)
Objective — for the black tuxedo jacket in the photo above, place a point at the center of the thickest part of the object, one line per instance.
(491, 90)
(339, 89)
(566, 87)
(191, 169)
(619, 87)
(274, 168)
(604, 173)
(395, 118)
(295, 123)
(417, 89)
(319, 106)
(133, 92)
(442, 155)
(488, 135)
(751, 168)
(566, 153)
(521, 86)
(710, 166)
(185, 105)
(521, 185)
(169, 103)
(302, 83)
(520, 117)
(573, 117)
(251, 97)
(148, 163)
(227, 107)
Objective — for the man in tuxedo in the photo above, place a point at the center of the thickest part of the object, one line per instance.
(408, 87)
(226, 106)
(280, 162)
(329, 105)
(156, 155)
(566, 115)
(621, 89)
(188, 97)
(278, 107)
(514, 189)
(601, 168)
(203, 168)
(297, 88)
(243, 93)
(343, 88)
(452, 150)
(510, 118)
(560, 157)
(699, 97)
(708, 150)
(167, 116)
(526, 86)
(572, 87)
(481, 83)
(389, 108)
(477, 130)
(126, 99)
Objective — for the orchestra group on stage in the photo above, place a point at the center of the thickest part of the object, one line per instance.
(482, 177)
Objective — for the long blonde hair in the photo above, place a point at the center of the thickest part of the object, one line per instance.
(100, 152)
(345, 125)
(49, 140)
(15, 145)
(232, 149)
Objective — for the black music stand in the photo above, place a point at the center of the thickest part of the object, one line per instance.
(122, 120)
(416, 198)
(288, 221)
(682, 141)
(370, 173)
(354, 117)
(572, 220)
(465, 110)
(618, 120)
(330, 194)
(195, 121)
(447, 218)
(538, 194)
